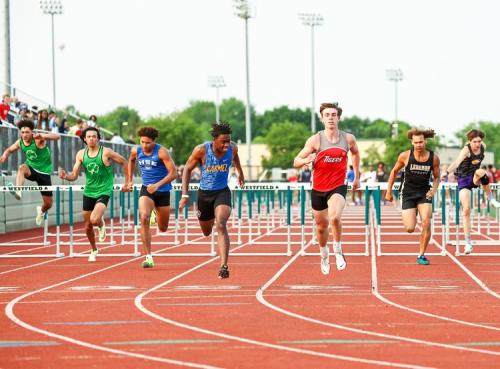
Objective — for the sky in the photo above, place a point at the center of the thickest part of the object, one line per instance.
(156, 56)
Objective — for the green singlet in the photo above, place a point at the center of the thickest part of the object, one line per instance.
(99, 176)
(36, 158)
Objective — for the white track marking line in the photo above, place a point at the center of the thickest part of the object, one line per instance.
(140, 306)
(9, 311)
(260, 297)
(406, 308)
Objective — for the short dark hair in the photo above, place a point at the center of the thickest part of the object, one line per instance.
(427, 133)
(334, 105)
(473, 133)
(150, 132)
(84, 133)
(26, 123)
(220, 128)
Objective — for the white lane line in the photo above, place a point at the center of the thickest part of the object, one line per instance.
(377, 294)
(9, 311)
(261, 299)
(140, 306)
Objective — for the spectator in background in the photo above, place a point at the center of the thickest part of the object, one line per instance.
(4, 107)
(195, 175)
(351, 176)
(116, 139)
(369, 177)
(64, 126)
(492, 173)
(43, 120)
(52, 120)
(92, 122)
(381, 177)
(130, 139)
(77, 129)
(305, 174)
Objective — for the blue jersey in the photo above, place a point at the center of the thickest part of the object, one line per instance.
(152, 167)
(215, 171)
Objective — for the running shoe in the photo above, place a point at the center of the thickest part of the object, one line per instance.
(468, 248)
(148, 263)
(102, 231)
(422, 260)
(339, 258)
(325, 265)
(16, 194)
(495, 203)
(223, 272)
(152, 219)
(92, 256)
(39, 216)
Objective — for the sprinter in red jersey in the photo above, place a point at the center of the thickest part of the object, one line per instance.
(327, 151)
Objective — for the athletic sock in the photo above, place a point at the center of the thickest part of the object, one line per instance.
(324, 252)
(467, 238)
(337, 247)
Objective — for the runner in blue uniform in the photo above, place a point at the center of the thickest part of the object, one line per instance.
(214, 196)
(157, 172)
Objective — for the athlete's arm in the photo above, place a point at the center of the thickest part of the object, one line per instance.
(131, 165)
(307, 154)
(464, 153)
(110, 155)
(47, 136)
(437, 178)
(237, 165)
(355, 158)
(193, 160)
(10, 150)
(402, 159)
(76, 168)
(165, 157)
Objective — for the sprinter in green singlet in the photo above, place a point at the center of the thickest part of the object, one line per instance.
(38, 164)
(96, 161)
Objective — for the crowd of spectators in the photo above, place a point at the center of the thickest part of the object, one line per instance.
(13, 110)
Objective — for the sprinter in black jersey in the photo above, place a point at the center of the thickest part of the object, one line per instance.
(469, 175)
(416, 192)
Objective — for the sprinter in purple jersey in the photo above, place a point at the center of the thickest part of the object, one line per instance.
(157, 171)
(214, 196)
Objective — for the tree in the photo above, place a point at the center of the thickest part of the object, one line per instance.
(284, 141)
(114, 119)
(372, 157)
(377, 129)
(179, 133)
(232, 110)
(281, 114)
(354, 125)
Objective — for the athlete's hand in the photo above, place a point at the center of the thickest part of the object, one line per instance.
(355, 184)
(388, 195)
(3, 158)
(127, 187)
(430, 194)
(241, 182)
(309, 159)
(62, 173)
(183, 202)
(152, 188)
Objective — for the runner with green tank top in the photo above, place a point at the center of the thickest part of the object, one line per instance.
(96, 161)
(38, 164)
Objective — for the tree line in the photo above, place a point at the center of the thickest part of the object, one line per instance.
(283, 129)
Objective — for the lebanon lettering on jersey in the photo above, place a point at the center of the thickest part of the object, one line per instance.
(330, 167)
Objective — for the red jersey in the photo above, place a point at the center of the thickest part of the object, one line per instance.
(330, 165)
(4, 110)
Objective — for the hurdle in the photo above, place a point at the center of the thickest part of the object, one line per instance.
(45, 242)
(475, 209)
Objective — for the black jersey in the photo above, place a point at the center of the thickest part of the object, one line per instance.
(469, 165)
(417, 175)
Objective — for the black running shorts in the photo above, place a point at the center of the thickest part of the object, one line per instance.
(160, 198)
(41, 179)
(209, 200)
(319, 200)
(89, 202)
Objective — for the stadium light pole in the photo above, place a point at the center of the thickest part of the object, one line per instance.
(52, 7)
(395, 75)
(242, 10)
(216, 82)
(312, 20)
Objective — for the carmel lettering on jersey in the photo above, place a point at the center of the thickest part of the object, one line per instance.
(217, 168)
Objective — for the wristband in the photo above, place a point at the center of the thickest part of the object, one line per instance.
(185, 196)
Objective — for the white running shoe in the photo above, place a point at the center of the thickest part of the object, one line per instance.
(495, 203)
(93, 254)
(16, 194)
(39, 216)
(325, 265)
(340, 259)
(468, 248)
(102, 231)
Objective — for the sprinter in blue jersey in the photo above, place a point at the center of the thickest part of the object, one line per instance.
(157, 172)
(214, 196)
